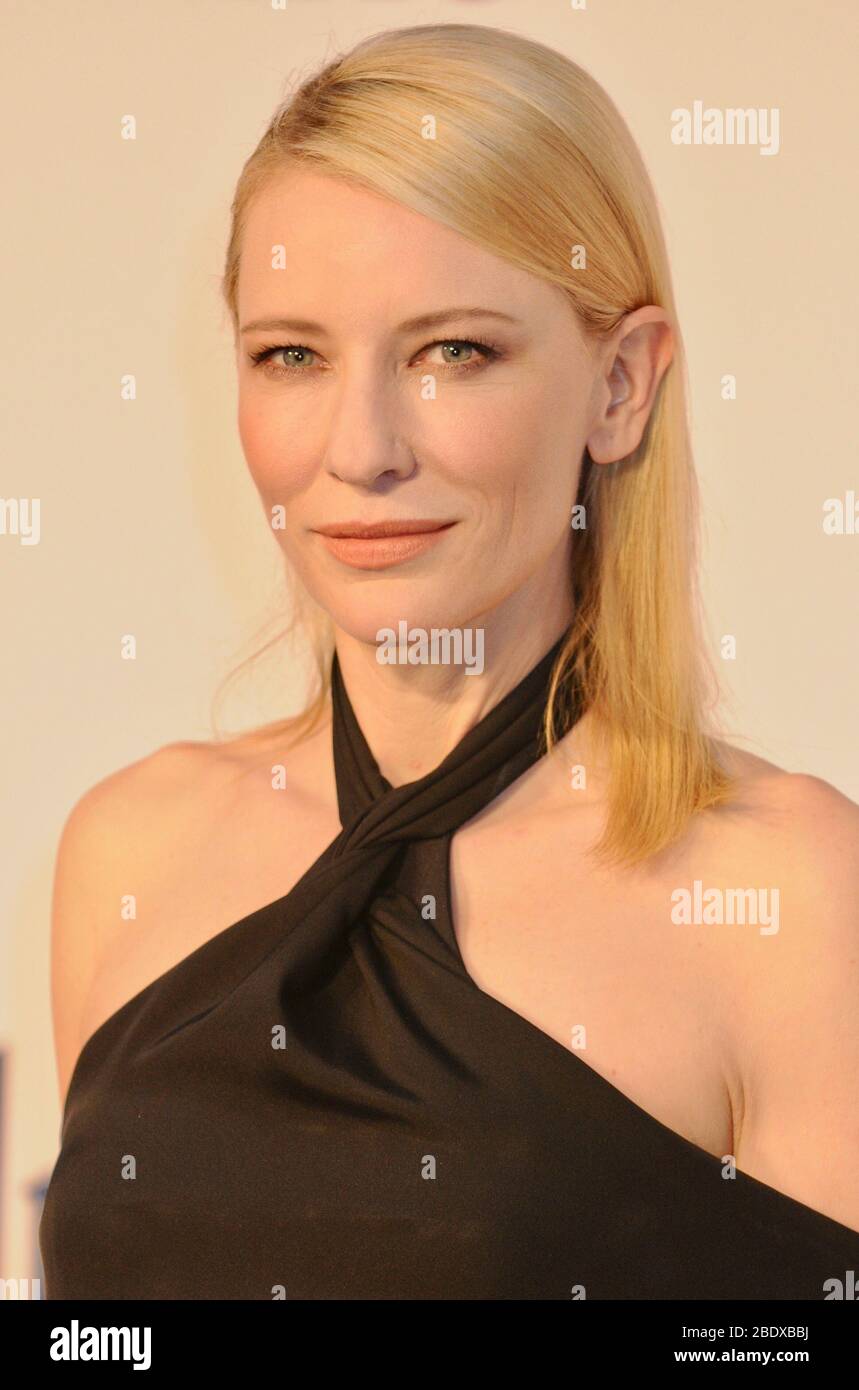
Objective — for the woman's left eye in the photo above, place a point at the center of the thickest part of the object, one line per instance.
(265, 357)
(486, 350)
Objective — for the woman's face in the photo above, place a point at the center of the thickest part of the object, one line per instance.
(479, 419)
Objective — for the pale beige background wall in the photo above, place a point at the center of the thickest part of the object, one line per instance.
(112, 254)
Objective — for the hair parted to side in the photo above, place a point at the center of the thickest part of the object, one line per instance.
(531, 160)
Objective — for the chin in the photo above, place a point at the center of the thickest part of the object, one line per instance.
(366, 616)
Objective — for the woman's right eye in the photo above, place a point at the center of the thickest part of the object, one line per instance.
(265, 358)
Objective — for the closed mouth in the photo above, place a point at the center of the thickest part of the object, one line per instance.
(354, 530)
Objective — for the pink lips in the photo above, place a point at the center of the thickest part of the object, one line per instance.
(377, 545)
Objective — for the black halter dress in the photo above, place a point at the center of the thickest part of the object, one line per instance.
(320, 1103)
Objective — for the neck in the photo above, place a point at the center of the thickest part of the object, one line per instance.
(412, 716)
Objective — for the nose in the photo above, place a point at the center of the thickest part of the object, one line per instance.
(365, 442)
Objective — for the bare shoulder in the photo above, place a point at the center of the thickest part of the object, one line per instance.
(117, 834)
(190, 832)
(804, 820)
(119, 809)
(795, 836)
(798, 841)
(173, 780)
(181, 769)
(131, 825)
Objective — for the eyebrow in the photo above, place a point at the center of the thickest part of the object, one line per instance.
(421, 321)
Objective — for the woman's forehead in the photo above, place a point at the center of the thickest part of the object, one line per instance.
(311, 240)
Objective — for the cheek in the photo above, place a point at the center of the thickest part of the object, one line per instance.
(257, 444)
(522, 459)
(270, 454)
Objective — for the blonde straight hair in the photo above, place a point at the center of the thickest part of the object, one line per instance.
(530, 159)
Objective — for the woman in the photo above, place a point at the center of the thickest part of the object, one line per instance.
(460, 399)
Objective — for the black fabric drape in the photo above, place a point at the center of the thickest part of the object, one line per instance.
(320, 1103)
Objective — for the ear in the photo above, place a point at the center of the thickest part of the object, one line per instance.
(638, 355)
